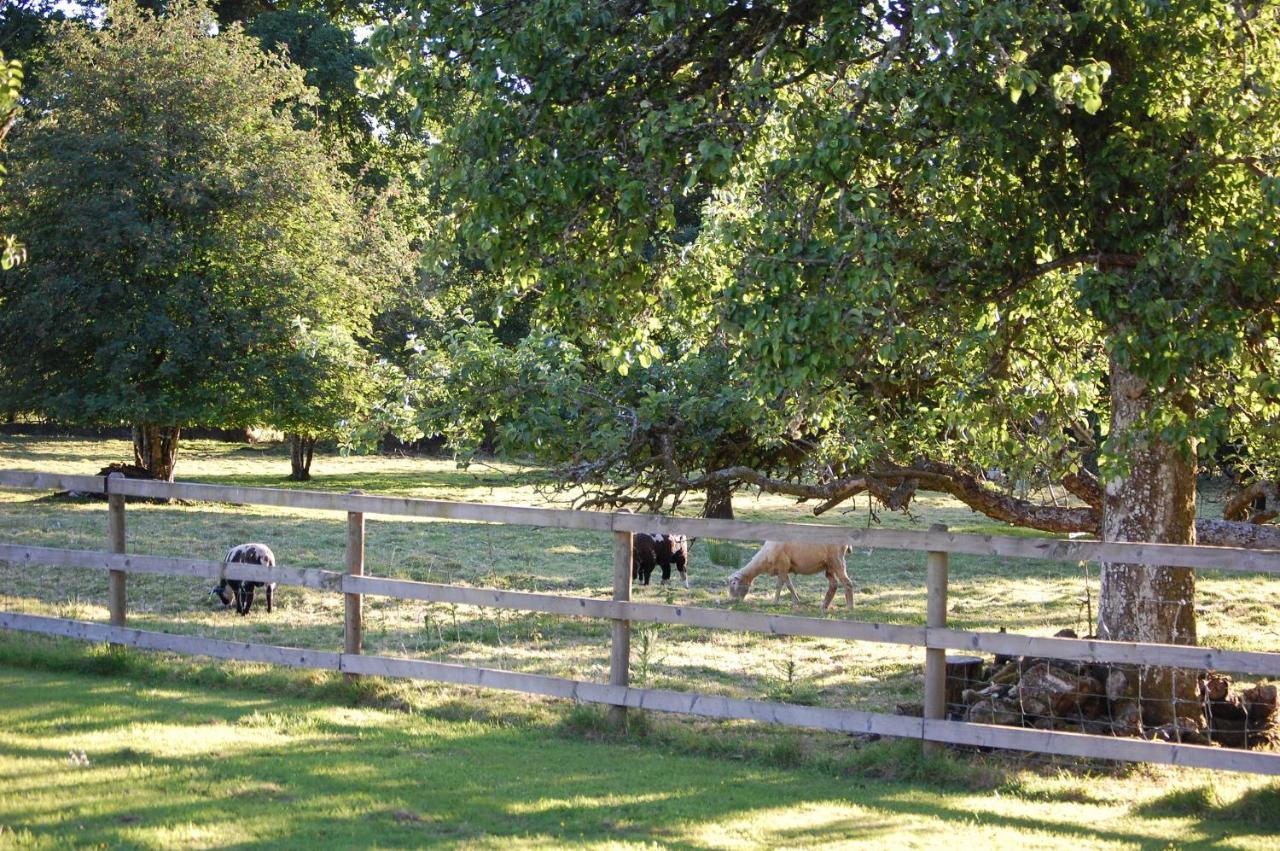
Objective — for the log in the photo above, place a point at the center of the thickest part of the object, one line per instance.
(962, 673)
(1261, 702)
(1055, 691)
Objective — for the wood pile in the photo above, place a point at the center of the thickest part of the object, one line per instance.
(1099, 698)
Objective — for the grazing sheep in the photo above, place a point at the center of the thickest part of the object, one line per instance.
(241, 590)
(648, 551)
(783, 558)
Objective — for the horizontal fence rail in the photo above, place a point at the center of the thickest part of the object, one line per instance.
(1012, 644)
(707, 706)
(622, 611)
(1050, 549)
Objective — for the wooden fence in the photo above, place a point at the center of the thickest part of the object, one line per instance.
(935, 637)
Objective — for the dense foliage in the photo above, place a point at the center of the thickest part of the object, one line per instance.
(180, 227)
(930, 232)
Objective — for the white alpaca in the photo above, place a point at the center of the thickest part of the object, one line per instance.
(783, 558)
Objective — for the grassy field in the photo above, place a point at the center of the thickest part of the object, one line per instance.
(1037, 597)
(109, 762)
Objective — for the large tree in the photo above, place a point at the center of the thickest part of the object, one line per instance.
(179, 226)
(945, 236)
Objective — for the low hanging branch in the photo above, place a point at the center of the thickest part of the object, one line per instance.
(894, 486)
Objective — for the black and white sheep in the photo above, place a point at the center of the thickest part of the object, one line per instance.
(649, 551)
(240, 591)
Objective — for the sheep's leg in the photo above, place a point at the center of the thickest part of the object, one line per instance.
(271, 594)
(792, 588)
(246, 598)
(843, 575)
(831, 592)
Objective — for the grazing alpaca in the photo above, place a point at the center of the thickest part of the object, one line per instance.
(783, 558)
(242, 589)
(648, 551)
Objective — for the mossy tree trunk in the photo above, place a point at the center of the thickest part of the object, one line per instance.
(301, 448)
(1153, 500)
(155, 449)
(719, 504)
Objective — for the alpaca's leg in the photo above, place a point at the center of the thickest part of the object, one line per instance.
(783, 582)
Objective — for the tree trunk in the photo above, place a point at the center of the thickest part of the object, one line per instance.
(719, 505)
(301, 448)
(1153, 501)
(155, 449)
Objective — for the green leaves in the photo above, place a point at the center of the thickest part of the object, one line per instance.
(890, 254)
(13, 252)
(1081, 86)
(195, 256)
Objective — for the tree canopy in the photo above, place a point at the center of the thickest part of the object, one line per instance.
(179, 225)
(930, 232)
(937, 238)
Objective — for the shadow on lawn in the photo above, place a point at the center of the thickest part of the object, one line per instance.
(249, 777)
(256, 771)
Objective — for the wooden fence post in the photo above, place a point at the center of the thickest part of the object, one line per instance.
(620, 653)
(935, 659)
(354, 625)
(115, 538)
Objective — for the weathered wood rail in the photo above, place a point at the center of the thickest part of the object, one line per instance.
(935, 637)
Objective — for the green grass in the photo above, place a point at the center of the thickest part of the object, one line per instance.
(176, 766)
(1235, 611)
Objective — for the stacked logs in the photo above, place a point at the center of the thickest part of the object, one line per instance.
(1241, 719)
(1082, 697)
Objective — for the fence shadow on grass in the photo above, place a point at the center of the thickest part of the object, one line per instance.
(222, 770)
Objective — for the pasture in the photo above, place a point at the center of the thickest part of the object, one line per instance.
(1236, 612)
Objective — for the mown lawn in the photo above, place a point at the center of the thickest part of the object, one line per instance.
(1170, 806)
(96, 761)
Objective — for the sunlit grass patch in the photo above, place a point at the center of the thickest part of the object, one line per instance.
(1236, 611)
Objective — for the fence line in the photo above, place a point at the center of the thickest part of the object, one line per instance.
(1050, 549)
(938, 638)
(935, 637)
(687, 703)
